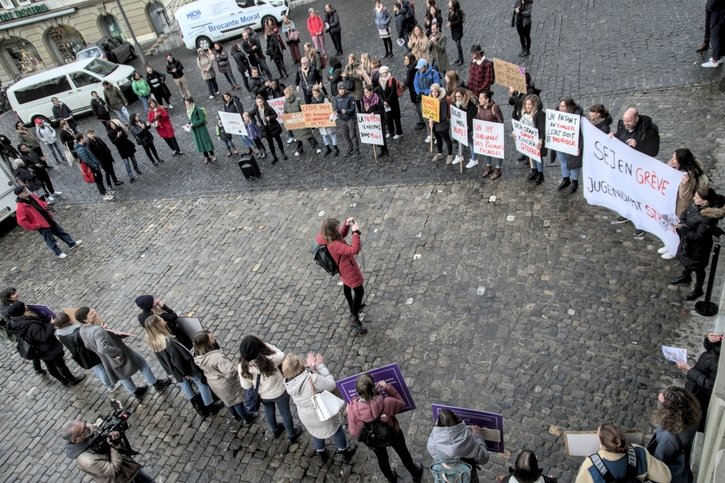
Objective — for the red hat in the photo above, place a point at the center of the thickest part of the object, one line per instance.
(38, 121)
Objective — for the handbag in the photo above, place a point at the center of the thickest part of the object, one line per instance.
(293, 36)
(27, 350)
(87, 172)
(68, 155)
(326, 404)
(252, 400)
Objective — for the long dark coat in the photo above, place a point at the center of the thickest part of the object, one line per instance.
(696, 236)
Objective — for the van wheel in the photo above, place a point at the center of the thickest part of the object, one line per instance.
(269, 17)
(203, 43)
(132, 53)
(45, 119)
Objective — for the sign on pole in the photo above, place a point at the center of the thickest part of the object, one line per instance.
(318, 115)
(638, 187)
(459, 125)
(233, 123)
(370, 129)
(510, 75)
(562, 131)
(488, 138)
(430, 107)
(526, 140)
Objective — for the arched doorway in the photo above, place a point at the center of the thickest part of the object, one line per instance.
(158, 18)
(109, 26)
(20, 57)
(63, 42)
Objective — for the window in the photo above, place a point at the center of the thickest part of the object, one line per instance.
(101, 67)
(113, 42)
(246, 3)
(82, 79)
(89, 53)
(51, 87)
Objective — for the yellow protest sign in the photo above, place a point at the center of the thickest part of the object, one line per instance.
(510, 75)
(431, 108)
(318, 115)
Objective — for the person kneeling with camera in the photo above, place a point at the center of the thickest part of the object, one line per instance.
(107, 458)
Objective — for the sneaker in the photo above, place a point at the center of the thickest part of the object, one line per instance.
(667, 256)
(170, 106)
(662, 250)
(397, 136)
(639, 234)
(61, 255)
(457, 160)
(297, 153)
(111, 192)
(291, 140)
(319, 150)
(712, 63)
(387, 135)
(437, 157)
(75, 245)
(427, 140)
(471, 163)
(57, 193)
(621, 219)
(50, 199)
(108, 197)
(211, 97)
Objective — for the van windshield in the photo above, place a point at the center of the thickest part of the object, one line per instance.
(101, 67)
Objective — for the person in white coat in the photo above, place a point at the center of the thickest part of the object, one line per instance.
(451, 439)
(47, 135)
(303, 382)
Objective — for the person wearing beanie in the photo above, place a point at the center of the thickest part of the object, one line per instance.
(151, 305)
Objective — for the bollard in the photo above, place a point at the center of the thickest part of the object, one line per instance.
(705, 307)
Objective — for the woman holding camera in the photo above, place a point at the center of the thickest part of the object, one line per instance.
(381, 402)
(333, 237)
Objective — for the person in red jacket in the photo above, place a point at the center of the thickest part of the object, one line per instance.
(344, 255)
(381, 402)
(316, 28)
(32, 214)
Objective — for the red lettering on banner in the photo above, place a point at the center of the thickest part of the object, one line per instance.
(650, 178)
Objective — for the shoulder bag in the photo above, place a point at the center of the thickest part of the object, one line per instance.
(27, 350)
(326, 404)
(252, 400)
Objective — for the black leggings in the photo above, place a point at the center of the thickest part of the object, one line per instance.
(277, 138)
(356, 301)
(151, 149)
(280, 67)
(110, 175)
(388, 43)
(443, 136)
(399, 446)
(44, 179)
(524, 35)
(260, 145)
(98, 179)
(173, 144)
(57, 368)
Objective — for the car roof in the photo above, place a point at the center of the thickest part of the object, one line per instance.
(63, 69)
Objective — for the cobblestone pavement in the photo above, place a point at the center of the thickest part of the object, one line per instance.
(564, 334)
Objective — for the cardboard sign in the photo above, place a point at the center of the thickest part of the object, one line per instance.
(586, 443)
(562, 131)
(233, 123)
(459, 125)
(390, 374)
(510, 75)
(370, 129)
(492, 424)
(526, 140)
(431, 108)
(318, 115)
(294, 120)
(488, 138)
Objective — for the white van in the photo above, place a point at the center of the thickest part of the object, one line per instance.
(71, 83)
(7, 185)
(207, 21)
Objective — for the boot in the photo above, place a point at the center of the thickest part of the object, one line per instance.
(539, 178)
(418, 473)
(357, 325)
(161, 384)
(533, 175)
(574, 186)
(496, 174)
(348, 453)
(521, 158)
(77, 380)
(564, 183)
(199, 407)
(140, 391)
(449, 159)
(384, 152)
(437, 157)
(229, 154)
(486, 171)
(682, 279)
(695, 294)
(324, 456)
(337, 151)
(327, 151)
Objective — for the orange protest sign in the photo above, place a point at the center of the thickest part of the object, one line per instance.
(294, 120)
(318, 115)
(431, 108)
(510, 75)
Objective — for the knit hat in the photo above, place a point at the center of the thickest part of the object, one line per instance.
(249, 348)
(19, 189)
(145, 302)
(16, 309)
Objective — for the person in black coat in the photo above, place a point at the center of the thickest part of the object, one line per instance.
(639, 132)
(125, 147)
(7, 150)
(103, 154)
(144, 138)
(99, 108)
(409, 61)
(307, 76)
(251, 47)
(265, 119)
(38, 167)
(8, 296)
(63, 113)
(389, 92)
(275, 52)
(38, 330)
(696, 229)
(332, 19)
(600, 117)
(240, 58)
(153, 306)
(701, 377)
(455, 23)
(373, 104)
(157, 82)
(257, 84)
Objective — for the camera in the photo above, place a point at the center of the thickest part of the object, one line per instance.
(117, 422)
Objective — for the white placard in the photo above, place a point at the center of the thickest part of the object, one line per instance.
(278, 105)
(562, 131)
(586, 443)
(674, 354)
(233, 123)
(526, 139)
(371, 131)
(488, 138)
(636, 186)
(459, 125)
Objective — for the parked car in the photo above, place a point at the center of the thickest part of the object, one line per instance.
(122, 49)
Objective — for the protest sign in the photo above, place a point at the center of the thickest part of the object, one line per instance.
(318, 115)
(277, 104)
(233, 123)
(390, 374)
(371, 131)
(294, 120)
(488, 138)
(459, 125)
(510, 75)
(674, 354)
(585, 443)
(526, 140)
(638, 187)
(491, 424)
(562, 131)
(431, 108)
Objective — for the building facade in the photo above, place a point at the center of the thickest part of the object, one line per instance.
(36, 35)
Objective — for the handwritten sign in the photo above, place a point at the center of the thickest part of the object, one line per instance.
(233, 123)
(510, 75)
(526, 140)
(562, 131)
(488, 138)
(459, 125)
(674, 354)
(390, 374)
(318, 115)
(294, 120)
(431, 108)
(491, 424)
(277, 104)
(370, 128)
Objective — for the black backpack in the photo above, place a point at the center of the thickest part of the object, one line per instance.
(376, 434)
(323, 258)
(630, 476)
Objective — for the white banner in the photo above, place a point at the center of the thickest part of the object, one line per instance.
(636, 186)
(371, 131)
(459, 125)
(233, 123)
(526, 140)
(562, 131)
(488, 138)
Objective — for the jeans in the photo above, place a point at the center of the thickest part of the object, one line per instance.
(338, 438)
(717, 23)
(537, 165)
(230, 78)
(56, 152)
(57, 230)
(573, 174)
(151, 153)
(327, 138)
(354, 302)
(122, 115)
(419, 110)
(240, 411)
(459, 49)
(282, 403)
(398, 445)
(148, 376)
(145, 102)
(98, 179)
(229, 144)
(204, 390)
(474, 156)
(489, 159)
(127, 162)
(102, 376)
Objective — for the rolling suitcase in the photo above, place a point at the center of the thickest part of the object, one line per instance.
(249, 167)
